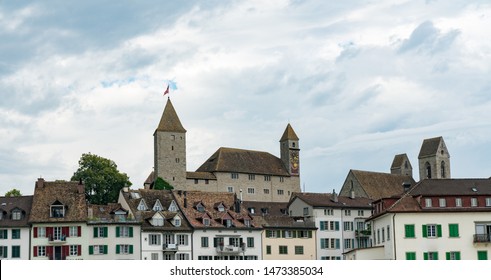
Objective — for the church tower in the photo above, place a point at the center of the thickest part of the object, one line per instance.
(434, 159)
(401, 166)
(170, 148)
(290, 151)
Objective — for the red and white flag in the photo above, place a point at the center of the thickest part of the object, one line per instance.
(167, 90)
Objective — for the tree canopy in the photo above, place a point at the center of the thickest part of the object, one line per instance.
(13, 192)
(101, 178)
(161, 184)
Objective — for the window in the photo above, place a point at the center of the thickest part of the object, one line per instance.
(488, 201)
(41, 251)
(41, 232)
(204, 242)
(410, 256)
(428, 170)
(430, 255)
(57, 210)
(458, 202)
(288, 234)
(266, 191)
(361, 213)
(74, 250)
(347, 212)
(124, 249)
(207, 181)
(3, 252)
(173, 207)
(267, 178)
(16, 233)
(228, 223)
(98, 250)
(334, 225)
(329, 212)
(234, 175)
(142, 206)
(283, 250)
(250, 190)
(16, 215)
(157, 221)
(73, 231)
(305, 234)
(482, 255)
(453, 230)
(298, 250)
(154, 256)
(388, 233)
(250, 242)
(124, 231)
(335, 243)
(154, 239)
(348, 243)
(453, 255)
(432, 231)
(252, 177)
(280, 192)
(306, 211)
(196, 181)
(230, 189)
(182, 239)
(282, 179)
(158, 206)
(324, 225)
(409, 231)
(206, 222)
(383, 234)
(348, 226)
(15, 252)
(177, 160)
(268, 249)
(324, 243)
(442, 202)
(271, 234)
(428, 202)
(378, 236)
(182, 256)
(473, 202)
(234, 241)
(177, 222)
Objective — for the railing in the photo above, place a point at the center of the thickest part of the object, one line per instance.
(230, 249)
(363, 233)
(482, 238)
(172, 247)
(57, 239)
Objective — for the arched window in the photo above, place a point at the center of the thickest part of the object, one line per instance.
(443, 169)
(428, 170)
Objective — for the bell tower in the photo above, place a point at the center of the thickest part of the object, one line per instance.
(170, 148)
(434, 159)
(290, 151)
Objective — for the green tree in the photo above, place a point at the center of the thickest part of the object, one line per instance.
(13, 192)
(161, 184)
(101, 178)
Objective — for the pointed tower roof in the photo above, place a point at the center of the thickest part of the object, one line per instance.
(170, 121)
(289, 134)
(430, 147)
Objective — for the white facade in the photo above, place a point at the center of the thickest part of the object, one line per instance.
(166, 245)
(113, 242)
(59, 241)
(224, 244)
(14, 243)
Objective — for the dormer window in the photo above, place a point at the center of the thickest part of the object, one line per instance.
(177, 221)
(252, 210)
(16, 215)
(221, 208)
(200, 207)
(157, 220)
(158, 206)
(227, 223)
(57, 210)
(142, 206)
(206, 222)
(247, 223)
(173, 207)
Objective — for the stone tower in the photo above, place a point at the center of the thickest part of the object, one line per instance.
(170, 148)
(434, 159)
(401, 166)
(290, 151)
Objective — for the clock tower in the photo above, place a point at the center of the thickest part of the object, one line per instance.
(290, 151)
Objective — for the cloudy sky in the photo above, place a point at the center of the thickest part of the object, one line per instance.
(360, 82)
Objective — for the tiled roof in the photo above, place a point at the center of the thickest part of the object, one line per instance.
(150, 178)
(200, 175)
(244, 161)
(430, 147)
(288, 222)
(399, 160)
(106, 214)
(70, 194)
(434, 187)
(289, 134)
(189, 199)
(269, 208)
(170, 121)
(8, 204)
(378, 185)
(328, 200)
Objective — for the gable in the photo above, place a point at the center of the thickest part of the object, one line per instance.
(142, 206)
(173, 206)
(157, 206)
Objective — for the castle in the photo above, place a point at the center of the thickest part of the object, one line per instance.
(252, 175)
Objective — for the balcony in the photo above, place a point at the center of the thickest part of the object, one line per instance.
(171, 247)
(482, 238)
(57, 239)
(230, 250)
(363, 233)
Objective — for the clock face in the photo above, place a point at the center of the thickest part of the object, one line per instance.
(294, 163)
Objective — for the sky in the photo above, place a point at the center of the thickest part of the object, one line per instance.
(359, 81)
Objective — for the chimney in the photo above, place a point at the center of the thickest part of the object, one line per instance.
(80, 187)
(406, 186)
(334, 196)
(352, 194)
(90, 213)
(40, 183)
(185, 199)
(240, 194)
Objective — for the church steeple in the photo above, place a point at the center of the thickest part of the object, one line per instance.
(290, 151)
(434, 159)
(170, 148)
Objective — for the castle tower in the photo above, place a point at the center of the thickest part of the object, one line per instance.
(170, 148)
(434, 159)
(290, 151)
(401, 166)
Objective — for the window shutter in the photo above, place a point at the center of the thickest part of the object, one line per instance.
(35, 251)
(457, 255)
(5, 252)
(105, 249)
(79, 231)
(65, 231)
(283, 233)
(95, 231)
(294, 234)
(447, 254)
(66, 250)
(49, 231)
(117, 231)
(215, 242)
(337, 244)
(35, 232)
(278, 233)
(117, 249)
(425, 256)
(425, 231)
(336, 226)
(105, 231)
(322, 226)
(131, 231)
(79, 250)
(436, 255)
(91, 250)
(230, 241)
(439, 230)
(131, 249)
(310, 234)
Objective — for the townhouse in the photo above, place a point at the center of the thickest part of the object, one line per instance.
(14, 227)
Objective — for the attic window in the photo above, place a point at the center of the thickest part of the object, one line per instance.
(142, 206)
(221, 208)
(177, 221)
(252, 210)
(206, 222)
(158, 206)
(264, 210)
(173, 207)
(157, 221)
(57, 210)
(227, 223)
(200, 207)
(16, 215)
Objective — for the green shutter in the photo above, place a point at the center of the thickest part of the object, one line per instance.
(322, 225)
(91, 250)
(436, 255)
(117, 231)
(278, 233)
(447, 254)
(117, 249)
(336, 226)
(215, 242)
(105, 231)
(410, 256)
(454, 230)
(283, 233)
(310, 234)
(131, 249)
(95, 232)
(294, 234)
(425, 231)
(337, 244)
(482, 255)
(5, 254)
(131, 231)
(268, 234)
(425, 256)
(439, 230)
(457, 255)
(105, 249)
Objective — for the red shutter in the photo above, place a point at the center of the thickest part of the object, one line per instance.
(79, 250)
(65, 231)
(35, 232)
(79, 231)
(49, 251)
(66, 250)
(49, 233)
(35, 251)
